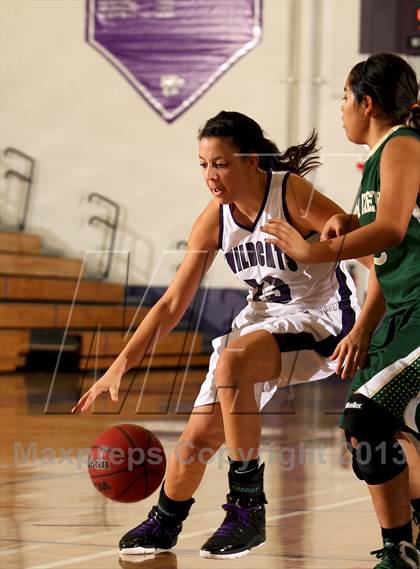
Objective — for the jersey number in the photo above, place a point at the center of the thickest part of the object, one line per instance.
(270, 290)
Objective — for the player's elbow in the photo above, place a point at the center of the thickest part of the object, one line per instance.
(172, 307)
(396, 234)
(392, 234)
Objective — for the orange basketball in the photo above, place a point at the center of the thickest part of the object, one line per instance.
(127, 463)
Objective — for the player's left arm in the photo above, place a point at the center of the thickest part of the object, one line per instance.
(400, 185)
(311, 211)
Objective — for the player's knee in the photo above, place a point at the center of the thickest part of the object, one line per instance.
(378, 461)
(229, 369)
(196, 451)
(196, 440)
(370, 429)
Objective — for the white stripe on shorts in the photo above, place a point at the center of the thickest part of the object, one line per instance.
(383, 377)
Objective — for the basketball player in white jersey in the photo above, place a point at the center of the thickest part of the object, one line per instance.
(295, 317)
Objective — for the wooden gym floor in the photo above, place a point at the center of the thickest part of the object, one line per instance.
(319, 515)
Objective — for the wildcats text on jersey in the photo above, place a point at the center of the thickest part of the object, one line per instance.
(273, 278)
(251, 254)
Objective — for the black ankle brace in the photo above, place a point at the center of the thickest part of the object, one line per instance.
(174, 511)
(249, 487)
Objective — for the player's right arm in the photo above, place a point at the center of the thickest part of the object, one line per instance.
(351, 352)
(167, 312)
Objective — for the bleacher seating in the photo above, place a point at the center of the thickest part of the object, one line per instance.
(41, 293)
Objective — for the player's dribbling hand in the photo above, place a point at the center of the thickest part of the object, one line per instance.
(288, 239)
(335, 227)
(351, 352)
(110, 381)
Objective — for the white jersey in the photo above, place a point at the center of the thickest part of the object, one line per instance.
(307, 308)
(278, 285)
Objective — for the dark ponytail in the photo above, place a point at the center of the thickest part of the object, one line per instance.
(300, 159)
(391, 83)
(249, 138)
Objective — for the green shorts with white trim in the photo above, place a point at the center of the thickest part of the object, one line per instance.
(392, 375)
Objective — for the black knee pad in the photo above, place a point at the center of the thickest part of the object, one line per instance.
(378, 456)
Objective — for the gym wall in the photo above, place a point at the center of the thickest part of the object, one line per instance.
(89, 130)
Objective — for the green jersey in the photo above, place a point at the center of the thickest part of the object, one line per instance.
(397, 268)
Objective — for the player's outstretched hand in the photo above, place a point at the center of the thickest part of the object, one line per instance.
(335, 227)
(288, 239)
(110, 381)
(351, 352)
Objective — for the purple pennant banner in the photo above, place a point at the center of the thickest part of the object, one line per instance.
(172, 51)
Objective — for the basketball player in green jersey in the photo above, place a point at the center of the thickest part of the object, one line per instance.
(381, 109)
